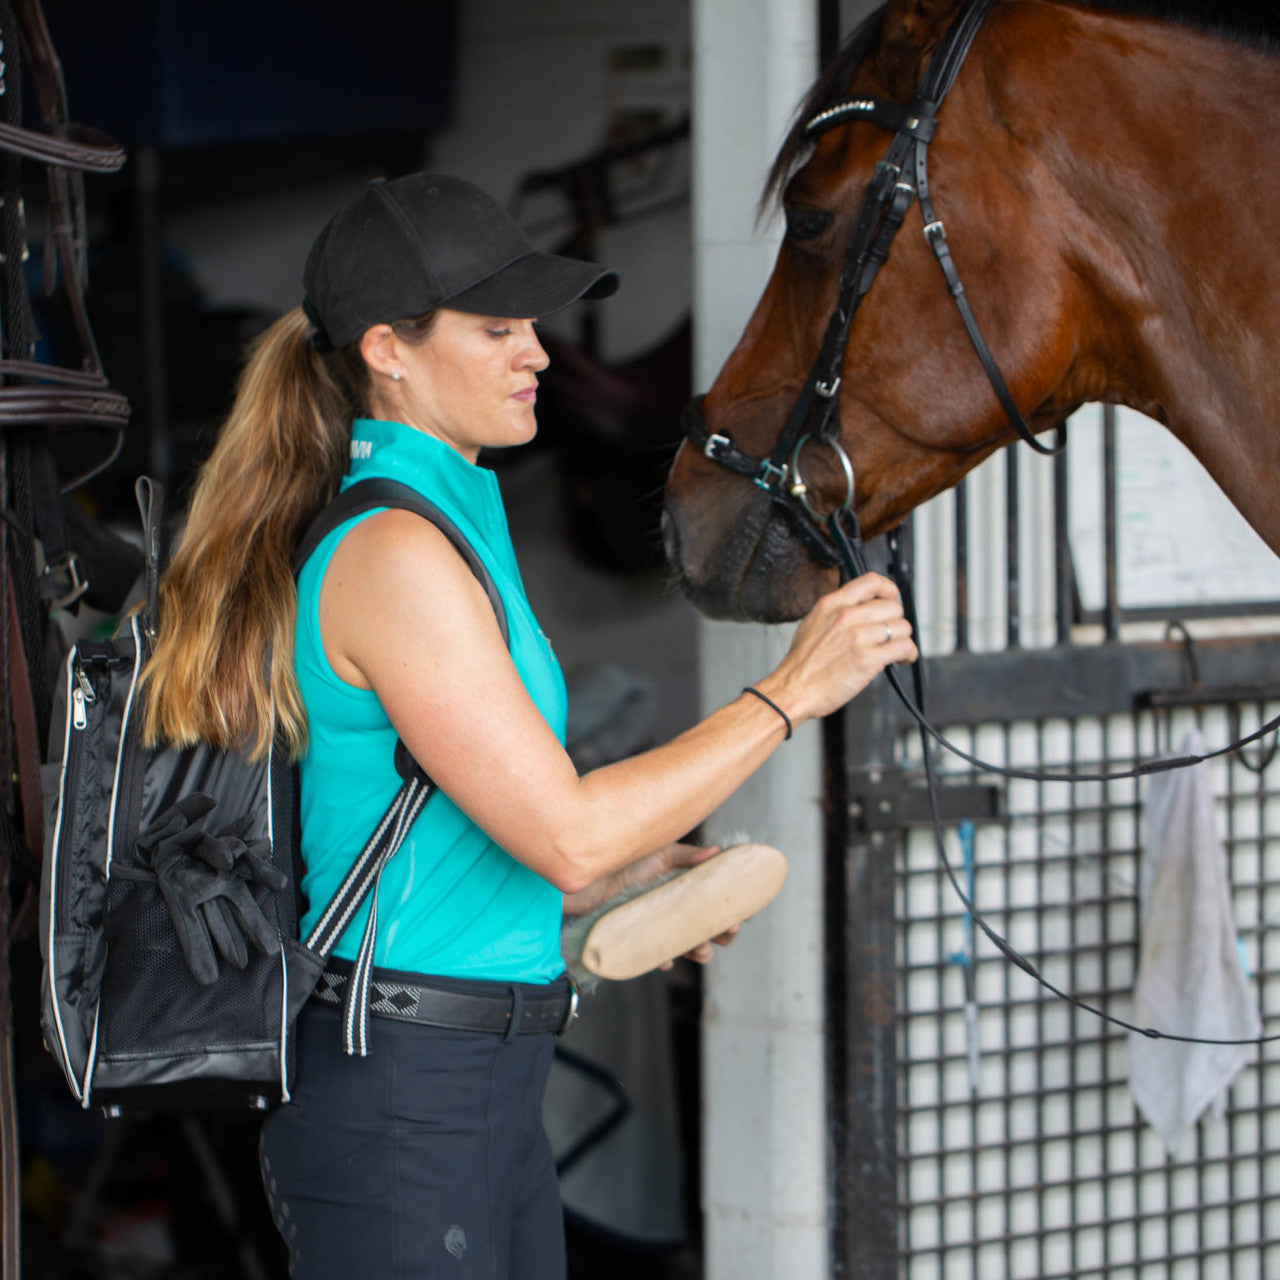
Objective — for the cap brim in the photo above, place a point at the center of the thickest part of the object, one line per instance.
(535, 285)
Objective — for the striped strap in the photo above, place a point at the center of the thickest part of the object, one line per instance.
(357, 885)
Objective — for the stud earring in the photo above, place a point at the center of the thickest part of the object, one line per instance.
(395, 377)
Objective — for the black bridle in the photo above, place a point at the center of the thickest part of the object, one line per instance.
(900, 179)
(836, 539)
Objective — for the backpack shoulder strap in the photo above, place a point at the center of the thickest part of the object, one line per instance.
(368, 495)
(415, 790)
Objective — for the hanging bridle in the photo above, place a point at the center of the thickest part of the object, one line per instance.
(836, 538)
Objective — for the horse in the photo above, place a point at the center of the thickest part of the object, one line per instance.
(1104, 179)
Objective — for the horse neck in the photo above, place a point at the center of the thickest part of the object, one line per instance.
(1167, 190)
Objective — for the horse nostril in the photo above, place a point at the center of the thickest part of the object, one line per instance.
(670, 539)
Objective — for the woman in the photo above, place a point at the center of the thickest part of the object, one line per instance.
(428, 1157)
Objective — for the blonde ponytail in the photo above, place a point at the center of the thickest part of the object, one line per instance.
(222, 670)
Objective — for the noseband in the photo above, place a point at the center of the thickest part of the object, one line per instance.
(836, 539)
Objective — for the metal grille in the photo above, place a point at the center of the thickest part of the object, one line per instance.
(1020, 1151)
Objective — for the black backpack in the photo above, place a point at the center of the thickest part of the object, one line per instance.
(130, 833)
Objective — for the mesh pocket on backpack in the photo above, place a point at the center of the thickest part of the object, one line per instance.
(171, 1013)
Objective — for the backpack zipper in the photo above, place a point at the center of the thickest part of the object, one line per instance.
(80, 693)
(83, 696)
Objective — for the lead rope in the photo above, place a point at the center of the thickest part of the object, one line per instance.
(846, 534)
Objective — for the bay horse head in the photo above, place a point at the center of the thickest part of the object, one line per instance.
(1098, 189)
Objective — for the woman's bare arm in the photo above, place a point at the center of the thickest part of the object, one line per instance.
(403, 615)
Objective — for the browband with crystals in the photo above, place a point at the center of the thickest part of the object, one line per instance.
(893, 116)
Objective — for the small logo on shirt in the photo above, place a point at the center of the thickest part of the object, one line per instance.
(362, 448)
(455, 1241)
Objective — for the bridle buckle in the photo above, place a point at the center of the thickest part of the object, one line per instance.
(714, 442)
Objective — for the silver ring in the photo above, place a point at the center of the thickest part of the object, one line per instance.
(798, 487)
(888, 633)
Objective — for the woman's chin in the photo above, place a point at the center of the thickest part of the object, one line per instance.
(526, 426)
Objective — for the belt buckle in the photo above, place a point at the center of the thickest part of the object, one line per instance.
(572, 1011)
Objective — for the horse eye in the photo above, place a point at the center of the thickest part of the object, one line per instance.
(804, 223)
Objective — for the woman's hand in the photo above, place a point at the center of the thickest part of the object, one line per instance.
(704, 950)
(844, 641)
(645, 871)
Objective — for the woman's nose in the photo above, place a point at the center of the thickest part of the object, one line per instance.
(532, 354)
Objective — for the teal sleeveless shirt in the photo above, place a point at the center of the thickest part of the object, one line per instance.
(451, 902)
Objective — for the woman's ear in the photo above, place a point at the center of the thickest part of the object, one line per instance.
(378, 347)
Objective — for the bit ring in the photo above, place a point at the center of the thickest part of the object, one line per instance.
(801, 491)
(888, 633)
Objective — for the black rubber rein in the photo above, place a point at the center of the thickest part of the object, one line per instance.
(853, 564)
(848, 542)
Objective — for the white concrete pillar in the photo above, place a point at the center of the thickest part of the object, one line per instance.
(764, 1121)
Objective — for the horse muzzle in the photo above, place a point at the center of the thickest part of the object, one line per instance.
(739, 548)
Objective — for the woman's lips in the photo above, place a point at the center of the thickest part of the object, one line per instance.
(527, 396)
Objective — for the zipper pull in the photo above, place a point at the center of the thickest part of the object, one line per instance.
(86, 685)
(81, 695)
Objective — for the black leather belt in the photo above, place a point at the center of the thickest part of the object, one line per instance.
(533, 1011)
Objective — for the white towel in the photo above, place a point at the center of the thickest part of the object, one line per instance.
(1190, 980)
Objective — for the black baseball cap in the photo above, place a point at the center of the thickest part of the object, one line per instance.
(407, 245)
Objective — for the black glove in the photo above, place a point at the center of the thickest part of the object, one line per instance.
(252, 861)
(204, 881)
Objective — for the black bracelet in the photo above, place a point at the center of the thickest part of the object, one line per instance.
(769, 702)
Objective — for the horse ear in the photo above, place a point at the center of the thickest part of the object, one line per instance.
(912, 22)
(910, 27)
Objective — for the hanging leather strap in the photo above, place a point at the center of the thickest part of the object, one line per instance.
(78, 397)
(150, 498)
(10, 1186)
(27, 738)
(61, 143)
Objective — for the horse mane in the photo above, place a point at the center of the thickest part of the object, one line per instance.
(1253, 23)
(829, 88)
